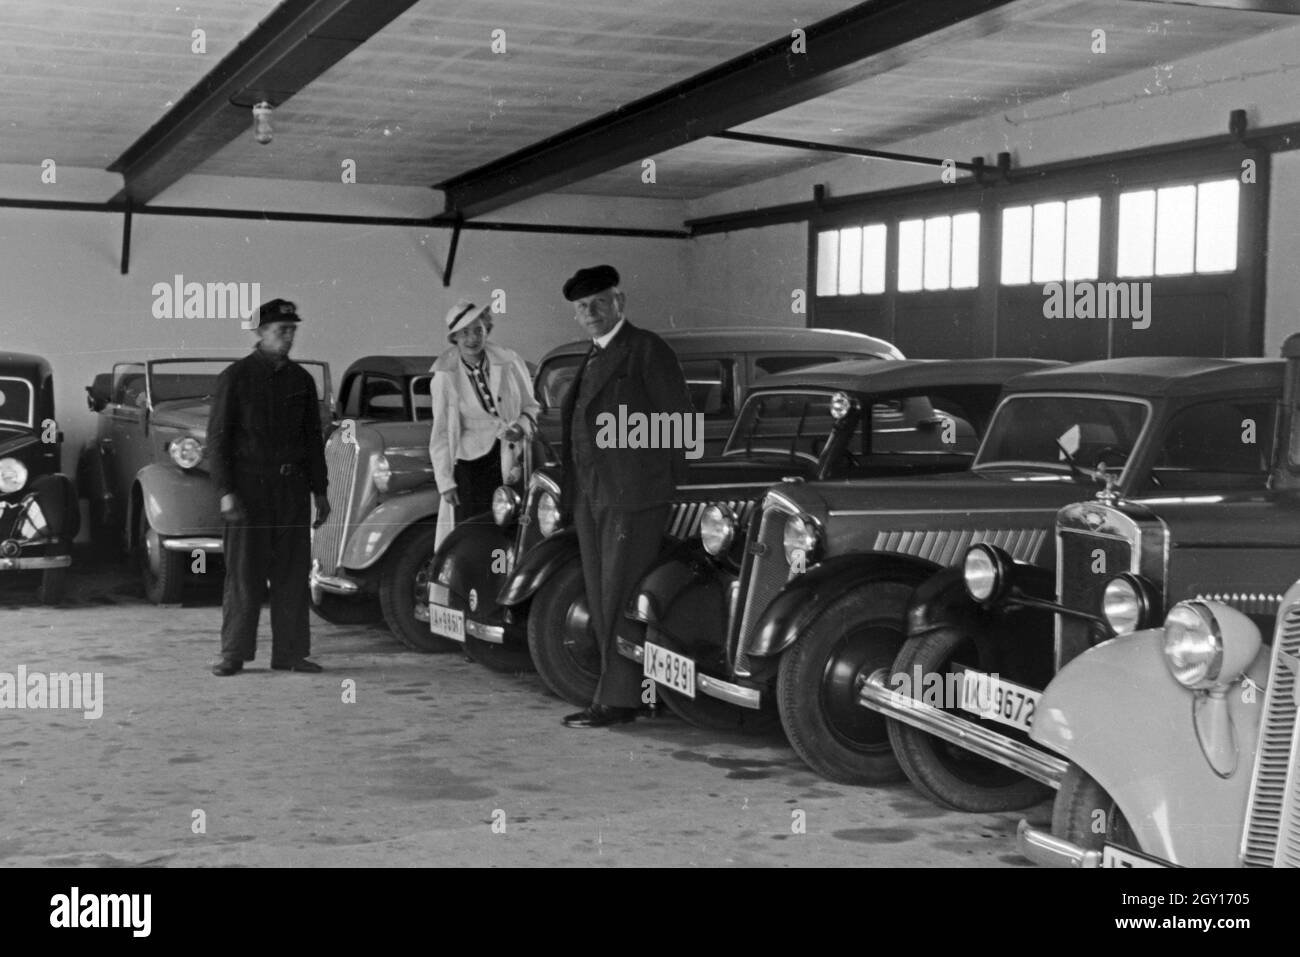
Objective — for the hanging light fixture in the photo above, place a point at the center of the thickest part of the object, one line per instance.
(262, 122)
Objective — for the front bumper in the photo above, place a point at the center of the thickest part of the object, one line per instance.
(318, 583)
(1047, 850)
(713, 687)
(34, 563)
(441, 595)
(1026, 759)
(188, 543)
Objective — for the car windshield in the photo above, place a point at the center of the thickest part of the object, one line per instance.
(16, 400)
(1074, 435)
(791, 424)
(170, 380)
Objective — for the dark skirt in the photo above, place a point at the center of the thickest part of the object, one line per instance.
(476, 480)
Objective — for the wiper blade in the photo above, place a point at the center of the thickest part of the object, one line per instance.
(1077, 470)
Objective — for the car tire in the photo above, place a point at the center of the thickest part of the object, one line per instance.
(403, 577)
(501, 658)
(1086, 815)
(712, 714)
(166, 584)
(561, 639)
(340, 610)
(817, 684)
(948, 775)
(54, 586)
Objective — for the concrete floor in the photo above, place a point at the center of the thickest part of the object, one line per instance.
(415, 773)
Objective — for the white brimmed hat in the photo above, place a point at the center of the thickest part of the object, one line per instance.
(462, 314)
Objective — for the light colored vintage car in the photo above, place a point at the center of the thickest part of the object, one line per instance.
(145, 472)
(1180, 744)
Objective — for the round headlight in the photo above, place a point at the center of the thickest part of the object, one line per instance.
(985, 572)
(1125, 605)
(381, 472)
(799, 537)
(717, 529)
(186, 452)
(840, 405)
(548, 514)
(1193, 644)
(505, 505)
(13, 475)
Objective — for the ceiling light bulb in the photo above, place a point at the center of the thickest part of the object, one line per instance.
(262, 122)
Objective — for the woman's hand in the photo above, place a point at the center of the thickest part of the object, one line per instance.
(450, 497)
(513, 434)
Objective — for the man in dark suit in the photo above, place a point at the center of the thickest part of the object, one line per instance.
(619, 496)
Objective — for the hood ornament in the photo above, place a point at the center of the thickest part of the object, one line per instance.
(1109, 495)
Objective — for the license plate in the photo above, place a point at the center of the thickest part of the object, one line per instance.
(997, 700)
(448, 622)
(670, 669)
(1112, 856)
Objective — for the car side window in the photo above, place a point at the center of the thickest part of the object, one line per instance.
(554, 380)
(710, 382)
(421, 400)
(351, 404)
(382, 398)
(1216, 444)
(765, 365)
(128, 385)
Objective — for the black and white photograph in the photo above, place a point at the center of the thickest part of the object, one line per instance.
(586, 434)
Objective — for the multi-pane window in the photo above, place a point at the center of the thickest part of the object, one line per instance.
(851, 261)
(1051, 241)
(941, 252)
(1178, 230)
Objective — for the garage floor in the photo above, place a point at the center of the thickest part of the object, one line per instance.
(415, 773)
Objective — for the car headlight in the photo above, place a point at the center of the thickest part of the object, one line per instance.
(548, 514)
(505, 505)
(1206, 643)
(381, 472)
(186, 452)
(717, 529)
(840, 405)
(799, 539)
(985, 570)
(1126, 604)
(13, 475)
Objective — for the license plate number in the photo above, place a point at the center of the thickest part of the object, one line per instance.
(670, 669)
(448, 622)
(997, 700)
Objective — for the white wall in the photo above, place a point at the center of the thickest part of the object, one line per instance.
(1180, 101)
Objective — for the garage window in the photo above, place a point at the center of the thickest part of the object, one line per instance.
(941, 252)
(1051, 241)
(1178, 230)
(851, 261)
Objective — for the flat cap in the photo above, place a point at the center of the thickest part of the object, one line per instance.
(277, 310)
(589, 281)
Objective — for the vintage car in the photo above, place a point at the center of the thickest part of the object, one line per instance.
(848, 421)
(1180, 745)
(481, 589)
(144, 473)
(831, 567)
(1213, 518)
(39, 514)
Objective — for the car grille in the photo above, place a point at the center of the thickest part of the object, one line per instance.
(946, 547)
(327, 541)
(1272, 837)
(763, 573)
(684, 519)
(1080, 588)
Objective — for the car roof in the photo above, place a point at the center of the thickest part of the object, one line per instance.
(23, 362)
(1155, 376)
(858, 375)
(781, 339)
(392, 365)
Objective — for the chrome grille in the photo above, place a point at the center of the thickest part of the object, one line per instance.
(327, 541)
(1248, 603)
(945, 547)
(1080, 588)
(527, 534)
(684, 520)
(1272, 836)
(765, 573)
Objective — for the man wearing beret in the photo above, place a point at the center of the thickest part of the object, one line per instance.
(267, 460)
(619, 497)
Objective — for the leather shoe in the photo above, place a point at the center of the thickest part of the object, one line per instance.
(310, 667)
(225, 668)
(600, 716)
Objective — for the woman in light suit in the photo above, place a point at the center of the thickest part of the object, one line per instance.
(483, 414)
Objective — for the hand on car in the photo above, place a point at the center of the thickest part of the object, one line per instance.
(231, 508)
(513, 434)
(450, 497)
(322, 510)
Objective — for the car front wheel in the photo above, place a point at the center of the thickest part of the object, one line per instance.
(1088, 817)
(561, 638)
(819, 677)
(161, 570)
(341, 610)
(404, 583)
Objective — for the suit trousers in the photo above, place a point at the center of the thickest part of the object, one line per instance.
(272, 544)
(619, 546)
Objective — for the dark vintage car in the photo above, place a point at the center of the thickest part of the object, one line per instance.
(483, 592)
(39, 514)
(831, 567)
(1216, 517)
(852, 420)
(144, 473)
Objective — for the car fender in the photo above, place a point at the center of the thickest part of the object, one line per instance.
(679, 568)
(806, 597)
(942, 600)
(474, 557)
(57, 497)
(177, 502)
(1118, 713)
(370, 538)
(537, 565)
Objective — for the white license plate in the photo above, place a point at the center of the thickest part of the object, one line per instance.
(997, 700)
(448, 622)
(1112, 856)
(670, 669)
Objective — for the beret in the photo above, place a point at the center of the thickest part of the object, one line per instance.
(277, 310)
(588, 282)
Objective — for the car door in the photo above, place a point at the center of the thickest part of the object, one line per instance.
(122, 442)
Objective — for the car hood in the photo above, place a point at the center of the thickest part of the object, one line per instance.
(189, 414)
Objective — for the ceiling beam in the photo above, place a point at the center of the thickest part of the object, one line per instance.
(296, 43)
(751, 86)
